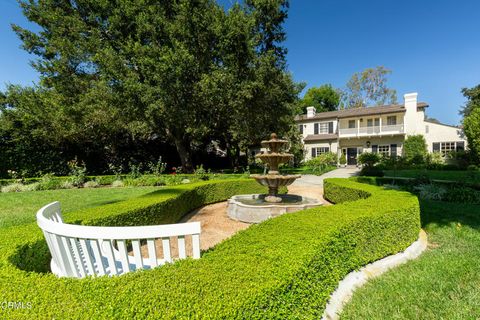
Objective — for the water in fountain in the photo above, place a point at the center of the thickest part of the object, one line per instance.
(274, 158)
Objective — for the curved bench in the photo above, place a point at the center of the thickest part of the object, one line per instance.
(80, 251)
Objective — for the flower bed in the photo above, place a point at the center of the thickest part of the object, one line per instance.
(282, 268)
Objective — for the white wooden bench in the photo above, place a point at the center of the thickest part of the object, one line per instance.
(79, 251)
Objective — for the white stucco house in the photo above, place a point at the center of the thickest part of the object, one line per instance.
(381, 129)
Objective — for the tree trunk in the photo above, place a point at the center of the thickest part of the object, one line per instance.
(185, 155)
(183, 150)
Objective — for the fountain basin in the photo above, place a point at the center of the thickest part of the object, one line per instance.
(252, 208)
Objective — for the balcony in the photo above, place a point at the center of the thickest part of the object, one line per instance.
(371, 131)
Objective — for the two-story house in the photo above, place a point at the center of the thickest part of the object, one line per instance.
(381, 129)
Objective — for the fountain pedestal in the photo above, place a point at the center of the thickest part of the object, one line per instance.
(254, 208)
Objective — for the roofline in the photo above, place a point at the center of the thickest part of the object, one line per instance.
(337, 114)
(443, 124)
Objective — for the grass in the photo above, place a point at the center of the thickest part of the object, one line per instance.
(444, 283)
(456, 175)
(20, 208)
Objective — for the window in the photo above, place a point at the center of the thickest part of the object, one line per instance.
(391, 120)
(300, 128)
(323, 127)
(377, 122)
(446, 147)
(320, 150)
(384, 150)
(370, 123)
(351, 124)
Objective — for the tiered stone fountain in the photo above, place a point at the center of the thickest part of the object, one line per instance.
(254, 208)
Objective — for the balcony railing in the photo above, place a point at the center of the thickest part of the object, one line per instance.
(373, 130)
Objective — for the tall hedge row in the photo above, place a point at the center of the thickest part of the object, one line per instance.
(282, 268)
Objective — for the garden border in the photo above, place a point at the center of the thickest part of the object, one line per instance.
(356, 279)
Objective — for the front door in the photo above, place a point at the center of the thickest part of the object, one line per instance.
(352, 156)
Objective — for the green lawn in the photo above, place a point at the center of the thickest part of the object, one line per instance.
(462, 176)
(21, 207)
(444, 283)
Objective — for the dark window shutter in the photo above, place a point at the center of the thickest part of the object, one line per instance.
(327, 149)
(393, 150)
(374, 148)
(315, 128)
(314, 154)
(300, 128)
(330, 127)
(460, 146)
(436, 147)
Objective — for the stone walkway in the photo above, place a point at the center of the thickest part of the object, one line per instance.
(311, 186)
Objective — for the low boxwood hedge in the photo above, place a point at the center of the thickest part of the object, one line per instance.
(282, 268)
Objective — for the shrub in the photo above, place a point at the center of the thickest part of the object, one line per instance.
(201, 174)
(371, 171)
(117, 184)
(368, 159)
(320, 163)
(49, 182)
(67, 185)
(144, 181)
(77, 172)
(91, 184)
(135, 170)
(14, 187)
(435, 161)
(157, 168)
(343, 159)
(415, 149)
(431, 191)
(462, 194)
(472, 167)
(252, 275)
(32, 187)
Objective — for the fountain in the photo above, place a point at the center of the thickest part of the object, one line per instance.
(254, 208)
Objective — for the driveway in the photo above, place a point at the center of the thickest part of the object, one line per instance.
(312, 186)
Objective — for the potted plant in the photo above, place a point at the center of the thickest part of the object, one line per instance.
(343, 160)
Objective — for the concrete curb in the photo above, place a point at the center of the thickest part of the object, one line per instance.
(356, 279)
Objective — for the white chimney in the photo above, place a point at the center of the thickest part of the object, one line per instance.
(311, 112)
(412, 117)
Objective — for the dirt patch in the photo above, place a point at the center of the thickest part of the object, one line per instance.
(216, 227)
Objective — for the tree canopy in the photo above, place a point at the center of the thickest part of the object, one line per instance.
(471, 120)
(323, 98)
(119, 73)
(368, 88)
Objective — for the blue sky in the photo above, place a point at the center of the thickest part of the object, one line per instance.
(432, 46)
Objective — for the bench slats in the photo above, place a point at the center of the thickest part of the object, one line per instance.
(166, 250)
(78, 257)
(71, 259)
(87, 257)
(79, 251)
(122, 249)
(107, 246)
(196, 246)
(98, 257)
(137, 254)
(152, 253)
(182, 252)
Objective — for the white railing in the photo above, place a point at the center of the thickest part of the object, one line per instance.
(79, 251)
(373, 130)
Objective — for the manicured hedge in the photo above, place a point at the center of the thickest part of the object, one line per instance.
(282, 268)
